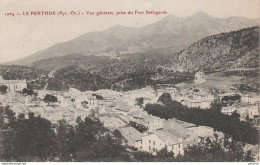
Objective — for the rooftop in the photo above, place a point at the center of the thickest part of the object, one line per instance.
(199, 73)
(167, 137)
(131, 134)
(123, 107)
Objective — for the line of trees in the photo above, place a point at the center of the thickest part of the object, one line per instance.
(212, 117)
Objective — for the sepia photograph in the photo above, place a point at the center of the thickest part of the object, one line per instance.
(129, 81)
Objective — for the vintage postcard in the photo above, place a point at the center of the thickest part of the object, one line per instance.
(129, 81)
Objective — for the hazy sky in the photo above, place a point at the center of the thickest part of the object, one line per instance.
(21, 36)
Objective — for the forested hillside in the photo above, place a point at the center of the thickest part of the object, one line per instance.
(236, 49)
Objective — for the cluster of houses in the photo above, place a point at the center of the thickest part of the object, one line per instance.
(247, 106)
(174, 135)
(117, 110)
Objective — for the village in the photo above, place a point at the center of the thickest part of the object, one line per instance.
(124, 111)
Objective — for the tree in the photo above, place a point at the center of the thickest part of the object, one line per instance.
(139, 127)
(139, 101)
(3, 89)
(165, 98)
(27, 91)
(164, 155)
(215, 150)
(99, 97)
(93, 142)
(29, 139)
(65, 141)
(2, 121)
(143, 156)
(105, 148)
(50, 99)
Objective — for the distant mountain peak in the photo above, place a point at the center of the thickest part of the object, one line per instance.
(201, 14)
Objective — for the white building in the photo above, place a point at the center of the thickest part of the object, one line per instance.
(153, 123)
(85, 101)
(249, 99)
(199, 77)
(229, 110)
(160, 139)
(92, 102)
(204, 104)
(13, 85)
(253, 111)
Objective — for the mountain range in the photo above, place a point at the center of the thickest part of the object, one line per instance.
(164, 37)
(124, 58)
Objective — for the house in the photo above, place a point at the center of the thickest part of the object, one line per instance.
(153, 123)
(137, 116)
(172, 91)
(85, 101)
(160, 139)
(146, 101)
(253, 111)
(204, 104)
(199, 77)
(123, 109)
(73, 92)
(203, 96)
(242, 110)
(92, 102)
(203, 132)
(81, 113)
(13, 85)
(229, 110)
(78, 101)
(195, 98)
(178, 97)
(132, 136)
(222, 96)
(255, 150)
(112, 122)
(179, 129)
(101, 106)
(250, 98)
